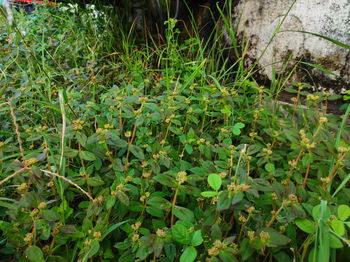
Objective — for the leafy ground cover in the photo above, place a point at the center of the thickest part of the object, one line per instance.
(114, 149)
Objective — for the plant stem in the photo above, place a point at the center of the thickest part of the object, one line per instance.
(306, 175)
(173, 206)
(274, 216)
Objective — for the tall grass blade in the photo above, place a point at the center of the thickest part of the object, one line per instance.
(333, 161)
(342, 184)
(324, 37)
(321, 253)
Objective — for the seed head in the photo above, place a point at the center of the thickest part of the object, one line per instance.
(160, 233)
(181, 177)
(42, 205)
(264, 236)
(135, 237)
(97, 235)
(343, 149)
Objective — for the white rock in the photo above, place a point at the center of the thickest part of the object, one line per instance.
(330, 18)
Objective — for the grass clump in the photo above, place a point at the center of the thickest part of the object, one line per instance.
(117, 151)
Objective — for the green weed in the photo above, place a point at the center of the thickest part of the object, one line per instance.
(112, 150)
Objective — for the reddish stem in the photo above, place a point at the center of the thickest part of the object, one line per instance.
(306, 175)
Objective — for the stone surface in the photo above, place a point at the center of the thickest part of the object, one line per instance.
(331, 18)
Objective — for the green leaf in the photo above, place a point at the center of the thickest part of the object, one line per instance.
(237, 198)
(190, 190)
(112, 228)
(197, 238)
(95, 181)
(49, 215)
(68, 229)
(56, 259)
(120, 143)
(43, 229)
(34, 254)
(82, 139)
(137, 151)
(86, 155)
(123, 198)
(276, 238)
(307, 159)
(135, 206)
(159, 202)
(226, 110)
(110, 202)
(190, 134)
(306, 225)
(290, 90)
(165, 180)
(189, 148)
(189, 255)
(237, 128)
(334, 242)
(180, 234)
(338, 227)
(335, 97)
(209, 193)
(70, 153)
(343, 212)
(224, 201)
(227, 255)
(33, 137)
(270, 168)
(184, 214)
(158, 246)
(155, 211)
(216, 233)
(215, 181)
(247, 249)
(170, 251)
(94, 247)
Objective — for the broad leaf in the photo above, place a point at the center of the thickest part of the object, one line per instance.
(306, 225)
(209, 193)
(197, 238)
(86, 155)
(137, 151)
(180, 234)
(184, 214)
(189, 255)
(34, 254)
(165, 180)
(343, 212)
(215, 181)
(338, 227)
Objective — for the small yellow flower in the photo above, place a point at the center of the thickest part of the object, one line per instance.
(181, 177)
(135, 237)
(136, 226)
(31, 161)
(264, 236)
(251, 235)
(97, 235)
(22, 187)
(343, 149)
(160, 233)
(42, 205)
(251, 209)
(242, 219)
(28, 238)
